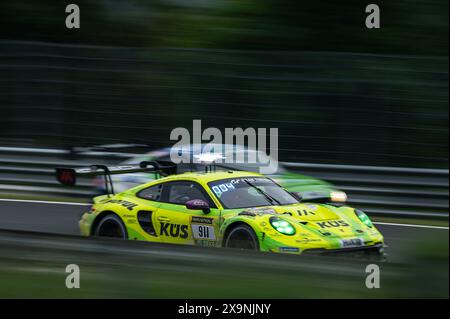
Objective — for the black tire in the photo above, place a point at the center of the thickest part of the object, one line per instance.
(111, 226)
(241, 237)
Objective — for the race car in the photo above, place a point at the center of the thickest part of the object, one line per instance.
(232, 209)
(312, 189)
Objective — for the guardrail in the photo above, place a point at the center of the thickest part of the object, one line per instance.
(388, 191)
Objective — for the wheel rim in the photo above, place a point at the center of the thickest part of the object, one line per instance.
(110, 228)
(241, 239)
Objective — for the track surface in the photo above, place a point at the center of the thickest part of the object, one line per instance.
(63, 219)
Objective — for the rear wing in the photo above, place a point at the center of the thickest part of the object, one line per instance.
(68, 176)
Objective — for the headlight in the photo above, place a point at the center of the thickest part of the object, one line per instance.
(282, 226)
(337, 196)
(364, 218)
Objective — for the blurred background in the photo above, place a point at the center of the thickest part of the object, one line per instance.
(339, 93)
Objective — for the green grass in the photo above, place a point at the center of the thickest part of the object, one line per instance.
(41, 274)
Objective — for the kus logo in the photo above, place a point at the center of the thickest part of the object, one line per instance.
(174, 230)
(331, 224)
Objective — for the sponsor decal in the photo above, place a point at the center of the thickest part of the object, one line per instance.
(353, 242)
(307, 240)
(304, 234)
(128, 205)
(205, 243)
(261, 211)
(202, 220)
(305, 212)
(174, 230)
(333, 223)
(290, 249)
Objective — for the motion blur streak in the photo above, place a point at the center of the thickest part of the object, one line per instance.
(329, 107)
(342, 96)
(42, 202)
(58, 219)
(83, 204)
(410, 225)
(111, 268)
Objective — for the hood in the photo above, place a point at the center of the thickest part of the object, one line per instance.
(326, 219)
(319, 219)
(307, 212)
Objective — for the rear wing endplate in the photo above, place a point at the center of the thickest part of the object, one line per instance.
(68, 176)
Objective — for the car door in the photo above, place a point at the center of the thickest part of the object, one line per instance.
(180, 225)
(146, 218)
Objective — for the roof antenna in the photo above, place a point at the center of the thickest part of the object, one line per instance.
(209, 159)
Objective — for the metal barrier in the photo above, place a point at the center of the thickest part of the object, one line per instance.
(328, 106)
(388, 191)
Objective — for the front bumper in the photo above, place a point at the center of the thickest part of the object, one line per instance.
(377, 251)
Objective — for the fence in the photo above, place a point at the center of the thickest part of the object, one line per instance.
(389, 191)
(334, 107)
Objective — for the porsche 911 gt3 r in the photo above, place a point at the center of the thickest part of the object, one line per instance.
(233, 209)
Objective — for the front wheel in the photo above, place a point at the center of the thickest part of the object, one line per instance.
(111, 226)
(242, 237)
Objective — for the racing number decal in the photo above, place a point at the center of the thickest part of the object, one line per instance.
(203, 232)
(202, 228)
(222, 188)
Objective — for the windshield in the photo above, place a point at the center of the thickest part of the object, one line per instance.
(245, 192)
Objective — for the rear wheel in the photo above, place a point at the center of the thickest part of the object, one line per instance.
(242, 237)
(111, 226)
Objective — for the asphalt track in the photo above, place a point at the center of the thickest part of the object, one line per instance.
(62, 218)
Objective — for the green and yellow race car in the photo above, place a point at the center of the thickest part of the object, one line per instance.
(233, 209)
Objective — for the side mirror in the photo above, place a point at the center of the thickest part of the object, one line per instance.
(297, 195)
(198, 204)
